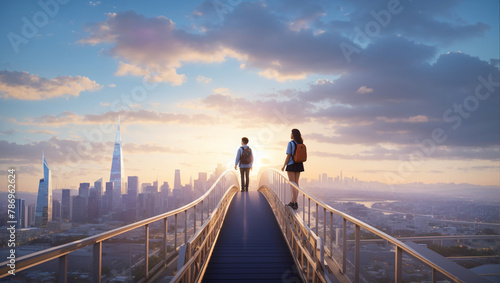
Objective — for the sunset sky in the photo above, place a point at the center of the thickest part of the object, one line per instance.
(389, 91)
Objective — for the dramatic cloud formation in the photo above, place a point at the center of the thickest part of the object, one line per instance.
(25, 86)
(281, 46)
(408, 100)
(153, 47)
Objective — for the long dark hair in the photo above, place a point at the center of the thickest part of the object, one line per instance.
(297, 136)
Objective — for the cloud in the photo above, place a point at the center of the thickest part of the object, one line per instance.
(202, 79)
(282, 41)
(424, 21)
(152, 73)
(153, 47)
(256, 112)
(8, 132)
(61, 151)
(277, 50)
(72, 153)
(410, 98)
(280, 48)
(364, 90)
(25, 86)
(132, 148)
(43, 132)
(416, 153)
(139, 116)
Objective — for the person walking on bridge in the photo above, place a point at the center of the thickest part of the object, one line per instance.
(244, 158)
(293, 168)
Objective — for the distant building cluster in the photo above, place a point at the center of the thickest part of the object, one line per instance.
(325, 181)
(126, 200)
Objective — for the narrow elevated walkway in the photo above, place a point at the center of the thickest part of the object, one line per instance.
(250, 246)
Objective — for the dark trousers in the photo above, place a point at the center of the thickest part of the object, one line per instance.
(245, 174)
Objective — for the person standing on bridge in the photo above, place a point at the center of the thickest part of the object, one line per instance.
(293, 168)
(244, 158)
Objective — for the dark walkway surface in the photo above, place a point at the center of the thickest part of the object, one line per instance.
(250, 246)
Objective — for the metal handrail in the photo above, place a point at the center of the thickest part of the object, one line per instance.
(278, 179)
(61, 252)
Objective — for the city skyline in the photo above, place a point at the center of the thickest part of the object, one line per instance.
(387, 91)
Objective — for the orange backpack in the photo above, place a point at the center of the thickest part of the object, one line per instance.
(300, 154)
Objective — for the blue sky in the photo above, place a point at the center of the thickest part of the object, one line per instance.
(190, 78)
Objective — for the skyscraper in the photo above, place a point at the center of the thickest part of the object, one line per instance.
(79, 214)
(93, 206)
(43, 210)
(133, 187)
(177, 180)
(108, 198)
(56, 210)
(84, 190)
(98, 187)
(117, 170)
(66, 205)
(21, 214)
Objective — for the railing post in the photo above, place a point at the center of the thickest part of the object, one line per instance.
(304, 207)
(324, 225)
(146, 259)
(185, 226)
(344, 245)
(63, 269)
(284, 189)
(398, 272)
(356, 253)
(202, 210)
(165, 239)
(309, 212)
(331, 233)
(175, 237)
(97, 262)
(434, 275)
(317, 216)
(194, 231)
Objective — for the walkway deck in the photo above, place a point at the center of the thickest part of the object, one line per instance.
(250, 246)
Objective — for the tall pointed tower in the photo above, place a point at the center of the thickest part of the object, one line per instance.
(43, 210)
(117, 169)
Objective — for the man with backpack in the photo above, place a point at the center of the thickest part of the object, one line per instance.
(244, 158)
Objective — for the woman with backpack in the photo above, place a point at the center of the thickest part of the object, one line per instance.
(293, 168)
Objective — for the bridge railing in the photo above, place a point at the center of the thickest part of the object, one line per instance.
(199, 211)
(324, 233)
